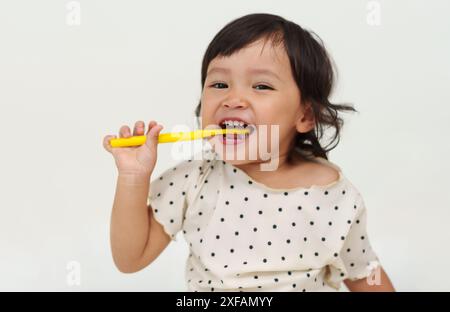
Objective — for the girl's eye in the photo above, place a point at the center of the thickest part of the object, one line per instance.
(219, 85)
(263, 87)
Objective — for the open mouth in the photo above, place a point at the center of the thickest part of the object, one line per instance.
(235, 124)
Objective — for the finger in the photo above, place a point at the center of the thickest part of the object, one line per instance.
(106, 142)
(139, 128)
(151, 124)
(124, 131)
(152, 136)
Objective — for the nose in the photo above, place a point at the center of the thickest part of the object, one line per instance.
(235, 103)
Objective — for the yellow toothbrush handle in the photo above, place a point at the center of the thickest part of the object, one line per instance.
(174, 137)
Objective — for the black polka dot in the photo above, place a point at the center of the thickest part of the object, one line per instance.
(200, 213)
(250, 182)
(317, 208)
(348, 249)
(336, 207)
(301, 256)
(222, 219)
(255, 277)
(217, 236)
(349, 221)
(285, 193)
(255, 229)
(241, 216)
(342, 238)
(299, 207)
(264, 260)
(201, 196)
(336, 254)
(260, 212)
(316, 254)
(352, 264)
(306, 193)
(231, 186)
(265, 195)
(213, 254)
(183, 193)
(362, 237)
(293, 223)
(171, 202)
(236, 233)
(283, 258)
(276, 280)
(274, 226)
(293, 285)
(330, 223)
(326, 193)
(231, 250)
(288, 241)
(269, 243)
(227, 202)
(323, 239)
(246, 198)
(171, 183)
(280, 209)
(311, 222)
(251, 246)
(343, 192)
(305, 239)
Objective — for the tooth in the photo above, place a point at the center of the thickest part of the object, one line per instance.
(236, 123)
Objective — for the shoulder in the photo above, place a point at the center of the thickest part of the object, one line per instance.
(320, 172)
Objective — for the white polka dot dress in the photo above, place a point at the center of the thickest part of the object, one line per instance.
(246, 236)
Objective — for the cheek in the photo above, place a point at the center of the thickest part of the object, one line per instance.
(207, 111)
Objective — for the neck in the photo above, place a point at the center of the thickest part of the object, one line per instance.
(285, 161)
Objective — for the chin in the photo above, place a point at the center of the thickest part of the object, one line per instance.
(234, 154)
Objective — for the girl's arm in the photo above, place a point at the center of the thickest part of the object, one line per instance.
(360, 285)
(136, 238)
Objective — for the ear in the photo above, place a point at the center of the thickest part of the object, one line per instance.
(305, 120)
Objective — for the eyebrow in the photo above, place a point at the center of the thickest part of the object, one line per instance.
(252, 71)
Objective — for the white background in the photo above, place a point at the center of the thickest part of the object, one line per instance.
(63, 88)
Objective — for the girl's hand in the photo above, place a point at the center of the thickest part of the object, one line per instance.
(135, 160)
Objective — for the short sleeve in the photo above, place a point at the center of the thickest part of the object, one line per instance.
(168, 195)
(356, 259)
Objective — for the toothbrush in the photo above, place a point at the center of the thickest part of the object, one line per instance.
(175, 137)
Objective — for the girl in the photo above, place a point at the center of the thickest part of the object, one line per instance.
(300, 227)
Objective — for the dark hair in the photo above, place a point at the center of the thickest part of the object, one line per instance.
(311, 66)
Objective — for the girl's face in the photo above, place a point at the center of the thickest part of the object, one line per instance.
(254, 85)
